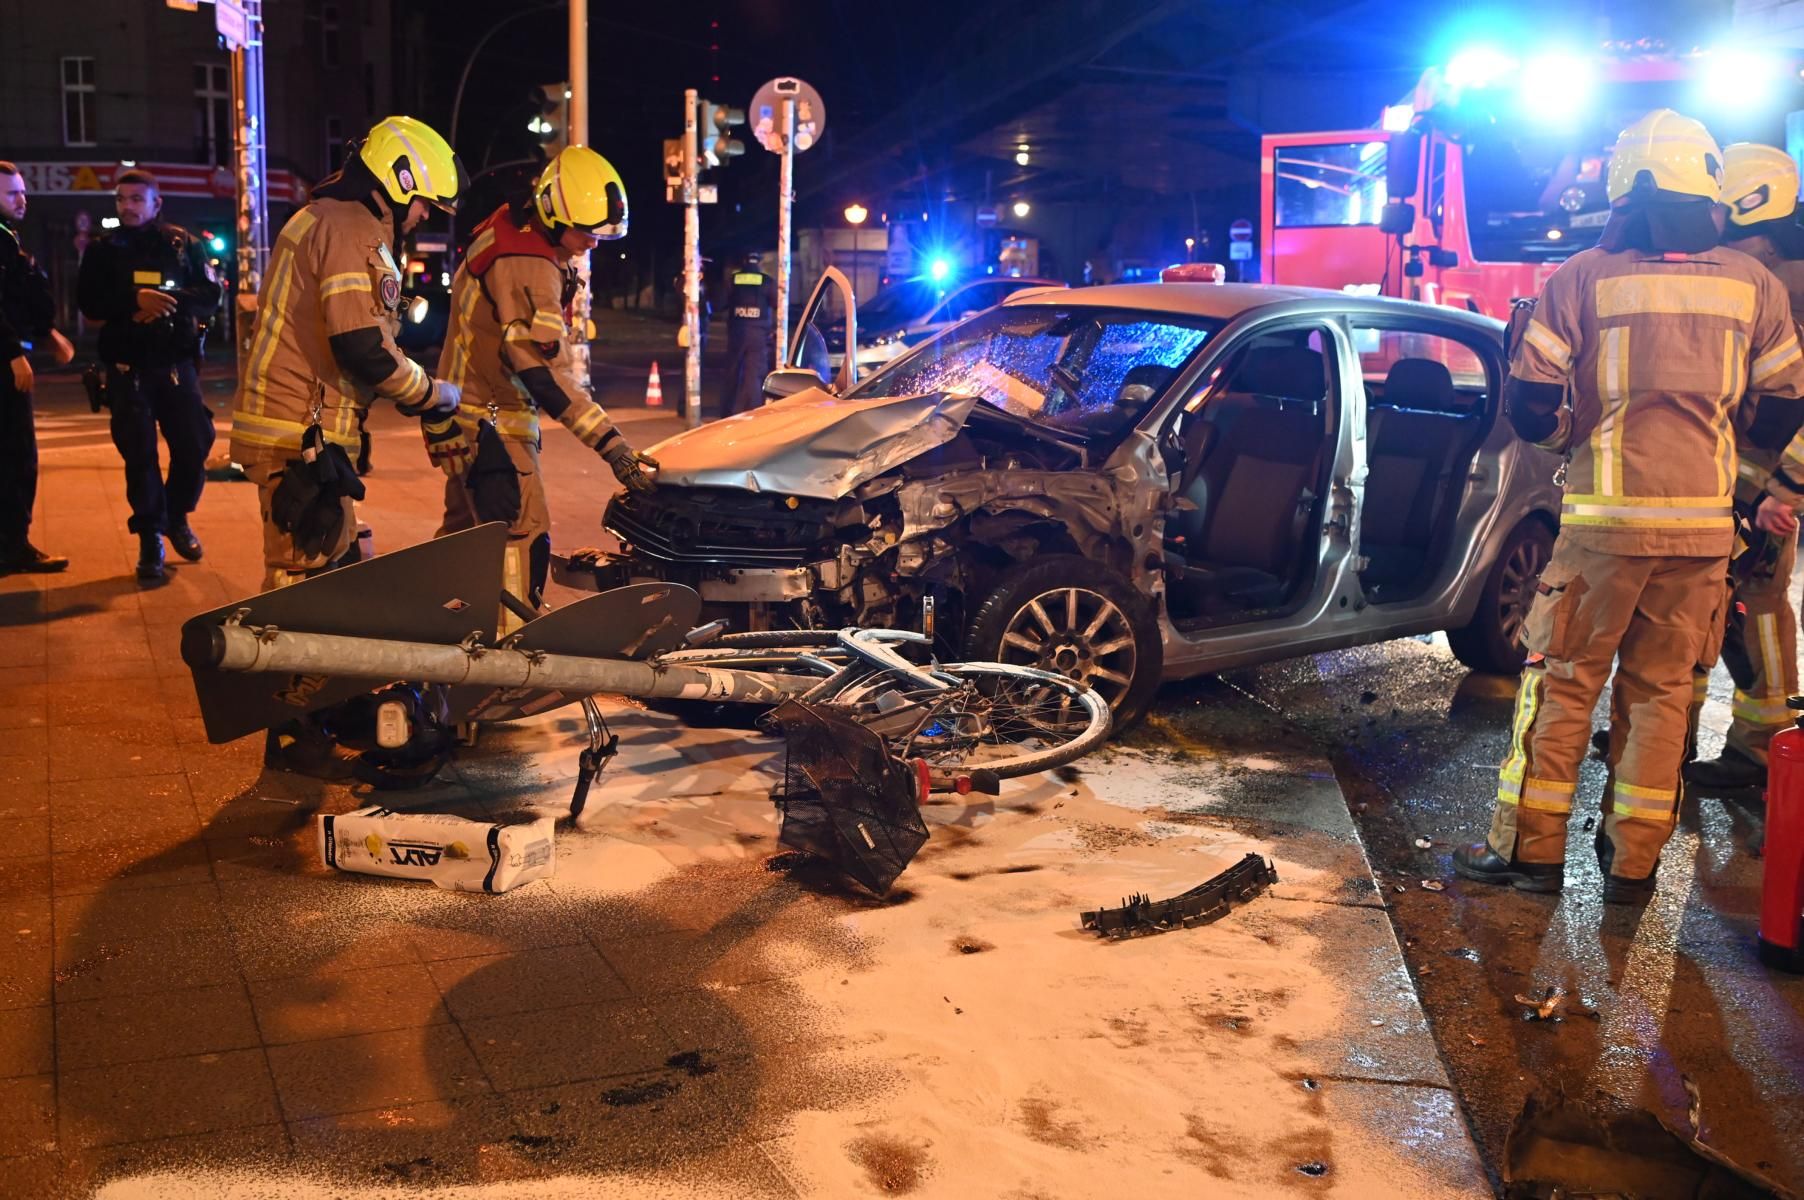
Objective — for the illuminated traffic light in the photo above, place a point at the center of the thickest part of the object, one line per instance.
(551, 122)
(715, 123)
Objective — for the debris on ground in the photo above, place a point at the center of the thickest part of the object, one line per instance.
(1367, 697)
(1559, 1146)
(1547, 1008)
(1465, 952)
(1208, 901)
(1477, 1042)
(456, 853)
(1424, 844)
(1067, 773)
(1433, 885)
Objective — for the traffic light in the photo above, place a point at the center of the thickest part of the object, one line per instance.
(551, 121)
(715, 123)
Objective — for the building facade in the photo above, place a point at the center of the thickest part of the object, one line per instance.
(138, 82)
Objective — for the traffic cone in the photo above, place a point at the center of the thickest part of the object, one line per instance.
(654, 391)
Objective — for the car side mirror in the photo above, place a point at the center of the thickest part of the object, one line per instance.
(789, 381)
(1397, 218)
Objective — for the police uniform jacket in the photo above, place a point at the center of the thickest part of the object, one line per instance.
(325, 333)
(752, 297)
(27, 310)
(153, 255)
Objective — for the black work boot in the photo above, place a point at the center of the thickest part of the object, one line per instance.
(1733, 772)
(1481, 863)
(150, 558)
(303, 748)
(186, 544)
(32, 561)
(1618, 890)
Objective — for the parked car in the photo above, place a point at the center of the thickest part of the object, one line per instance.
(1127, 483)
(911, 311)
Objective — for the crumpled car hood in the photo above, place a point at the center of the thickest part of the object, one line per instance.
(812, 444)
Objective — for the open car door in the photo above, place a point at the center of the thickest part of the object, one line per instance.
(823, 348)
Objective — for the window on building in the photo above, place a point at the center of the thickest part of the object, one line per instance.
(335, 143)
(328, 36)
(78, 102)
(213, 113)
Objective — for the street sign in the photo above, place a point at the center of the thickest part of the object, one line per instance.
(766, 114)
(1241, 231)
(987, 215)
(233, 23)
(1240, 251)
(183, 5)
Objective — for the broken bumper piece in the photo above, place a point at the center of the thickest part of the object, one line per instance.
(1206, 902)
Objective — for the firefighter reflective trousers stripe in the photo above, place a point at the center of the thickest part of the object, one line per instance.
(1762, 653)
(283, 563)
(527, 563)
(1659, 616)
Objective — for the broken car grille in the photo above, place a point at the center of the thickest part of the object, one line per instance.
(703, 528)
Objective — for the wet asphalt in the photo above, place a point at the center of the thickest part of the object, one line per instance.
(1651, 997)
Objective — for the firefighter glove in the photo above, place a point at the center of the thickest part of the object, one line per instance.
(308, 503)
(447, 447)
(629, 466)
(439, 402)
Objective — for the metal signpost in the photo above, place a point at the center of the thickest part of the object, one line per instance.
(692, 271)
(787, 116)
(1240, 246)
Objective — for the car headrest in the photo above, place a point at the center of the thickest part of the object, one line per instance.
(1289, 372)
(1420, 383)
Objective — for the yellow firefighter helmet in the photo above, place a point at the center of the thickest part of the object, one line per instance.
(409, 158)
(579, 189)
(1760, 183)
(1675, 152)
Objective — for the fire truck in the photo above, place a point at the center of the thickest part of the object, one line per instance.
(1493, 171)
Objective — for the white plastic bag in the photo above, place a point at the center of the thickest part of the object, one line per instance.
(455, 853)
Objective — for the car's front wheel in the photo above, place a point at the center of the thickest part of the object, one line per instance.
(1492, 640)
(1078, 618)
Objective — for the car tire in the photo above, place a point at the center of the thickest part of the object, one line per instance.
(1004, 627)
(1492, 641)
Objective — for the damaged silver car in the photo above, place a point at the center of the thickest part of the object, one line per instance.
(1126, 484)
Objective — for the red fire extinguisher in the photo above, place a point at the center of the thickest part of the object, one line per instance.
(1782, 888)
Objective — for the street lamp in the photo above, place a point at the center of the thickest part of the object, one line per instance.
(1022, 208)
(856, 213)
(1021, 155)
(1189, 247)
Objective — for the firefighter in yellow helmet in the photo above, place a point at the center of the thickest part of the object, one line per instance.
(324, 340)
(1760, 189)
(509, 349)
(1632, 366)
(323, 348)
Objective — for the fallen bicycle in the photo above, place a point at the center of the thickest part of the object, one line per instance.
(427, 615)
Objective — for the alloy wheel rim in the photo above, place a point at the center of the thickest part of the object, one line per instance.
(1078, 633)
(1521, 572)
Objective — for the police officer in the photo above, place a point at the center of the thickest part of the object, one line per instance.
(510, 350)
(1654, 334)
(751, 326)
(324, 347)
(150, 287)
(26, 313)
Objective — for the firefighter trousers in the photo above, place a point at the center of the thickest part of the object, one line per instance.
(1761, 650)
(1659, 617)
(18, 466)
(144, 400)
(528, 562)
(749, 357)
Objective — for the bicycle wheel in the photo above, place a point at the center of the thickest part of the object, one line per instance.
(993, 717)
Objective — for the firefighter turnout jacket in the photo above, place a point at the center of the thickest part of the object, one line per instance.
(1652, 468)
(325, 334)
(153, 255)
(511, 331)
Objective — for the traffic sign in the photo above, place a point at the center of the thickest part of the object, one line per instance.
(767, 114)
(1241, 231)
(1240, 251)
(233, 23)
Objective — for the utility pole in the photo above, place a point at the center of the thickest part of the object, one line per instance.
(578, 125)
(786, 195)
(692, 270)
(240, 23)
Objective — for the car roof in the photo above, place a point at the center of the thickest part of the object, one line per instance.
(1225, 301)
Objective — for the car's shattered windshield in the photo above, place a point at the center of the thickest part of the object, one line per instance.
(1089, 371)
